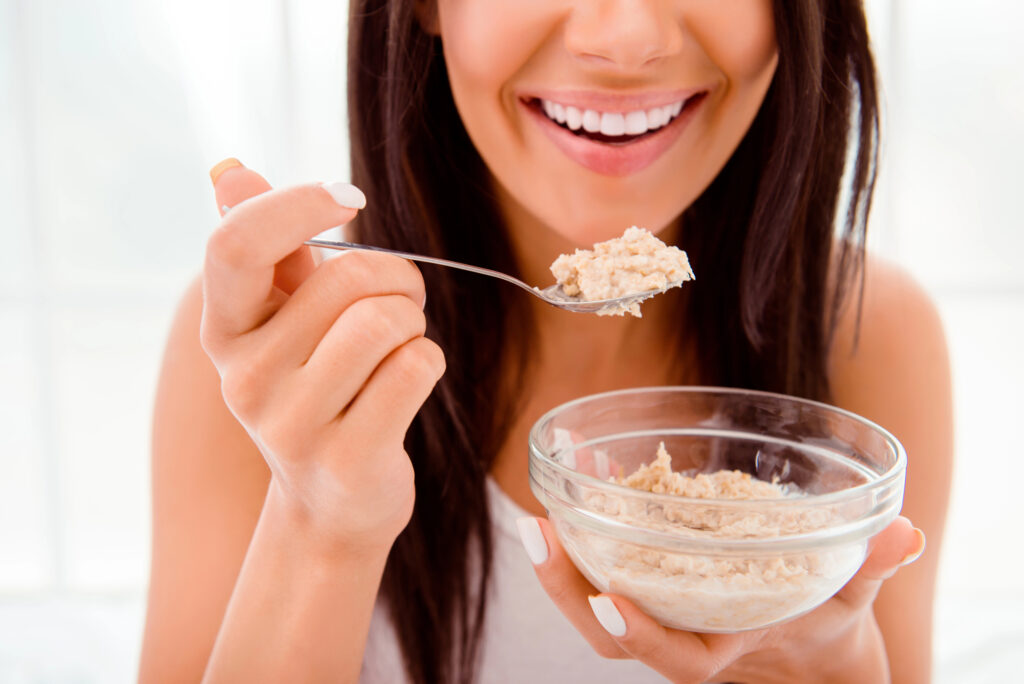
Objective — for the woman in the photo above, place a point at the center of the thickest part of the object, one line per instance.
(298, 401)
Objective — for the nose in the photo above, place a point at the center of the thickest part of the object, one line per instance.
(626, 33)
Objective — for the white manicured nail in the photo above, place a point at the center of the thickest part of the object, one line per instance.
(346, 194)
(533, 540)
(608, 615)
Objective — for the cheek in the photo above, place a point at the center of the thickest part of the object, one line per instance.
(467, 29)
(738, 36)
(487, 41)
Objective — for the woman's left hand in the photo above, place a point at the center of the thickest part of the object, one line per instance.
(838, 641)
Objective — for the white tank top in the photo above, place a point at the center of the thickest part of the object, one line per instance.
(525, 637)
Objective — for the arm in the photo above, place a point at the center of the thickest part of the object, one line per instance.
(284, 398)
(201, 528)
(301, 609)
(898, 376)
(210, 485)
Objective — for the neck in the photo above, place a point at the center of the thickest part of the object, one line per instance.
(593, 353)
(575, 354)
(595, 350)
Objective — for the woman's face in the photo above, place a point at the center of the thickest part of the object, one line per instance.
(595, 115)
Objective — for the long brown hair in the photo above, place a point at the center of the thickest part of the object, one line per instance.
(765, 312)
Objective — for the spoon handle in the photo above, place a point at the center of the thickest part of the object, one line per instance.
(330, 244)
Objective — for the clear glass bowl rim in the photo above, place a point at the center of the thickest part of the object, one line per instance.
(845, 532)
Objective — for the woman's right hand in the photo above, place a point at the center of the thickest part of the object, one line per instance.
(324, 365)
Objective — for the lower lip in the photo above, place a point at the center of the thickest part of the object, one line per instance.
(615, 159)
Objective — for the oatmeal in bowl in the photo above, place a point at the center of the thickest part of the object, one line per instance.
(715, 510)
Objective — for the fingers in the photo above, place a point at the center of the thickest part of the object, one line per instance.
(614, 627)
(365, 334)
(254, 237)
(321, 347)
(679, 656)
(345, 334)
(685, 656)
(233, 183)
(897, 545)
(565, 585)
(320, 303)
(393, 395)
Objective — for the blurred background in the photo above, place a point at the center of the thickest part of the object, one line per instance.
(112, 111)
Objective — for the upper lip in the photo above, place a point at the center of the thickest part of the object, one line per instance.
(613, 102)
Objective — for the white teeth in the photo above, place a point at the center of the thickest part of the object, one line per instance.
(573, 118)
(636, 123)
(613, 124)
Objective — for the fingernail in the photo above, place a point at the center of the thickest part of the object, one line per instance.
(914, 555)
(533, 540)
(608, 615)
(220, 167)
(346, 194)
(225, 209)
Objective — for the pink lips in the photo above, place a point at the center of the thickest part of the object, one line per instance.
(614, 159)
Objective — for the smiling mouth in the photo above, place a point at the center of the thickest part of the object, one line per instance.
(613, 128)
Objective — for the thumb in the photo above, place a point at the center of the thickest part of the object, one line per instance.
(897, 545)
(233, 183)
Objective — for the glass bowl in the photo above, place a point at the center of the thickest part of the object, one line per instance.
(716, 565)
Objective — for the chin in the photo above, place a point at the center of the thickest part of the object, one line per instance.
(599, 223)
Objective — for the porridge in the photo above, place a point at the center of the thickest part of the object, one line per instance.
(711, 592)
(635, 263)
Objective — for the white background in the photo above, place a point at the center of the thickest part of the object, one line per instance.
(111, 112)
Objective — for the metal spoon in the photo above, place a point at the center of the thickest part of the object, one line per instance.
(553, 294)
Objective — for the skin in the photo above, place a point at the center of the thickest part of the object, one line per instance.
(288, 385)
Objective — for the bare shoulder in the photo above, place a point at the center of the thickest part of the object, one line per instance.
(895, 371)
(896, 343)
(208, 485)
